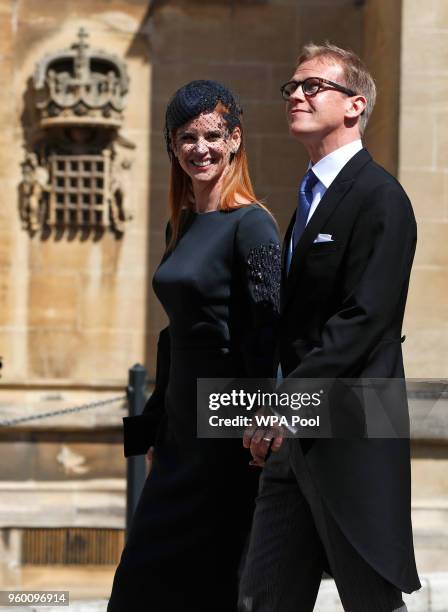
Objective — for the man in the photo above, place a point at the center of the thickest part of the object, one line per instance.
(339, 505)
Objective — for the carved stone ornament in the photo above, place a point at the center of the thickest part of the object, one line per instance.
(77, 163)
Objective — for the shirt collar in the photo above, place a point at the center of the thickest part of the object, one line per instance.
(327, 168)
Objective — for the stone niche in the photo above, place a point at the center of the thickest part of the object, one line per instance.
(77, 163)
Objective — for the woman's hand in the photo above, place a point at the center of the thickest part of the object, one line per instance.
(149, 454)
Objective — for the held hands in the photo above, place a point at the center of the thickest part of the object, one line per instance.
(261, 440)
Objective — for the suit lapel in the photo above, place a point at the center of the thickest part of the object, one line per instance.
(285, 251)
(331, 200)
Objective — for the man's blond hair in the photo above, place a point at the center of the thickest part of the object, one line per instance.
(356, 75)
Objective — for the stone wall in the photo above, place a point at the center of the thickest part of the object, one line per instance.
(77, 314)
(72, 311)
(424, 174)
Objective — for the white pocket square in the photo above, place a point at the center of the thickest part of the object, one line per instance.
(324, 238)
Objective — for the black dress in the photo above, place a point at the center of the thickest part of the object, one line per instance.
(220, 289)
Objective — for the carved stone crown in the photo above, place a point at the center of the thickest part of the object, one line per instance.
(81, 86)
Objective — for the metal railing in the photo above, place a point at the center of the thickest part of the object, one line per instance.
(45, 415)
(136, 467)
(135, 397)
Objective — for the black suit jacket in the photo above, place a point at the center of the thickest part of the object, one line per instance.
(342, 311)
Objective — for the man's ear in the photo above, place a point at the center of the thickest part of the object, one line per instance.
(356, 106)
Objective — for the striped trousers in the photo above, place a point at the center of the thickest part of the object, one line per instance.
(294, 539)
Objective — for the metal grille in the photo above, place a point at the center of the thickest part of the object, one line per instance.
(72, 546)
(78, 193)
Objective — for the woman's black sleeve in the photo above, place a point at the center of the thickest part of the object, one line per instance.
(259, 264)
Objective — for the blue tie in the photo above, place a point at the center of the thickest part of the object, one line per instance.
(303, 209)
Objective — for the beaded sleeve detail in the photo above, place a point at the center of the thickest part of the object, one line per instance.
(264, 267)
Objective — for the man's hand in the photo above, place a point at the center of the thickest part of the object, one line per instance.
(261, 440)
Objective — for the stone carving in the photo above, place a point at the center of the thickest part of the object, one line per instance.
(81, 82)
(76, 169)
(119, 190)
(34, 186)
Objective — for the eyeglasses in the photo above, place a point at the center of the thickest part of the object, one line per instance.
(311, 87)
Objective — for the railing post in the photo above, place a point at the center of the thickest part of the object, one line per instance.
(136, 468)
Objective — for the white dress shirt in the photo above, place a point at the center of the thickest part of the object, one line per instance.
(326, 170)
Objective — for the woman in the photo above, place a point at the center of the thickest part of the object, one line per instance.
(219, 284)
